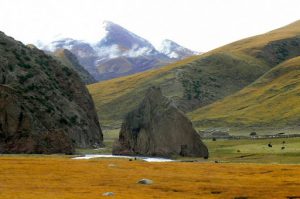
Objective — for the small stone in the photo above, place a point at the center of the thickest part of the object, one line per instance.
(145, 181)
(216, 192)
(112, 165)
(108, 194)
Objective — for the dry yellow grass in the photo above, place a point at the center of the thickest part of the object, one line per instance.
(272, 99)
(256, 42)
(58, 177)
(116, 97)
(106, 91)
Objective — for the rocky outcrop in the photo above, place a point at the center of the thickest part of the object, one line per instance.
(67, 58)
(158, 128)
(44, 106)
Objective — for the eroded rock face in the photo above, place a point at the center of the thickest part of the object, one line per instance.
(44, 106)
(70, 60)
(158, 128)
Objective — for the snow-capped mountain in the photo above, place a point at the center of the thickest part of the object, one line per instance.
(84, 52)
(83, 49)
(120, 52)
(174, 50)
(119, 42)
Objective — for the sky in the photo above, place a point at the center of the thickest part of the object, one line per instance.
(200, 25)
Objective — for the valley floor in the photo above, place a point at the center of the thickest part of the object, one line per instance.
(245, 168)
(59, 177)
(232, 151)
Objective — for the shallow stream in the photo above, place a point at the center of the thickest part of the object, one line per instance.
(147, 159)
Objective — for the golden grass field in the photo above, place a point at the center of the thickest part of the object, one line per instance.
(272, 99)
(56, 177)
(251, 44)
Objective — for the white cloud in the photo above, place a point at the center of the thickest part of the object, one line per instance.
(197, 24)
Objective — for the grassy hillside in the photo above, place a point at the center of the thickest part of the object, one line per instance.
(272, 100)
(200, 80)
(254, 44)
(114, 98)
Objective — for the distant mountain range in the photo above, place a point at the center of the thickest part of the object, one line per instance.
(250, 83)
(120, 52)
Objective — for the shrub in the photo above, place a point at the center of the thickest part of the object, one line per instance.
(253, 134)
(18, 57)
(31, 87)
(27, 58)
(10, 67)
(23, 79)
(67, 71)
(24, 65)
(73, 119)
(63, 121)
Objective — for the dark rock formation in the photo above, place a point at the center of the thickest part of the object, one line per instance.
(44, 106)
(158, 128)
(68, 59)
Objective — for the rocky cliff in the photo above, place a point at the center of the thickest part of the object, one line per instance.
(158, 128)
(67, 58)
(44, 106)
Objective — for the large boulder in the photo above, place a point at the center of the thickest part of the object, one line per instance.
(158, 128)
(44, 106)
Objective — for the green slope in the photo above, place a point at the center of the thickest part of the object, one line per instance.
(200, 80)
(271, 101)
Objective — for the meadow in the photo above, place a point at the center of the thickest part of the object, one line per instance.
(59, 177)
(230, 151)
(237, 169)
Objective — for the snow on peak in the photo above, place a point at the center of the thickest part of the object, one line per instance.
(108, 25)
(174, 50)
(66, 43)
(119, 41)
